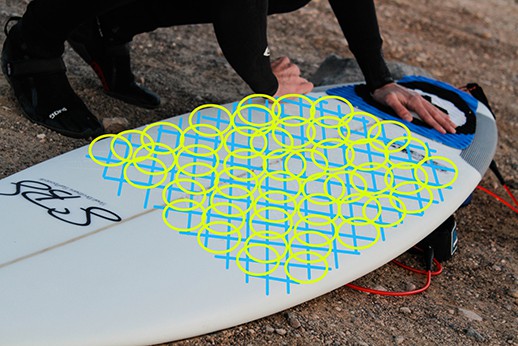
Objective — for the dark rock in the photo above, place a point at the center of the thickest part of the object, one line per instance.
(474, 334)
(337, 70)
(292, 320)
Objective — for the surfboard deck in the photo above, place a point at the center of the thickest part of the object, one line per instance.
(234, 218)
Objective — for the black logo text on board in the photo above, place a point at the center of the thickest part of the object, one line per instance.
(58, 203)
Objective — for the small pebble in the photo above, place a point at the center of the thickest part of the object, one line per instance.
(486, 34)
(410, 286)
(115, 125)
(405, 310)
(399, 340)
(270, 329)
(293, 321)
(471, 315)
(281, 331)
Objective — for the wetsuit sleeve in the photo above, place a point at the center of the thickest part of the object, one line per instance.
(240, 27)
(359, 23)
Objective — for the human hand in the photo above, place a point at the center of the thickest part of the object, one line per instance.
(403, 101)
(288, 76)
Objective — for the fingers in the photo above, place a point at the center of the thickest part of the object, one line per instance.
(393, 102)
(305, 87)
(431, 114)
(293, 85)
(403, 101)
(441, 118)
(283, 66)
(283, 60)
(288, 76)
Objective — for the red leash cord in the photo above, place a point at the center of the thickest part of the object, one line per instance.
(428, 273)
(502, 181)
(500, 199)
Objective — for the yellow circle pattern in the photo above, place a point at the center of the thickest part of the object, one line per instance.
(307, 237)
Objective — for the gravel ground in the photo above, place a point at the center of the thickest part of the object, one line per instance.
(475, 300)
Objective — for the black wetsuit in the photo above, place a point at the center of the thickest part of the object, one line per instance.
(240, 27)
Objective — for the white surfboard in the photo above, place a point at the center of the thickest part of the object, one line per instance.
(217, 218)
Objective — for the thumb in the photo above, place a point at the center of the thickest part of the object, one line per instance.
(393, 102)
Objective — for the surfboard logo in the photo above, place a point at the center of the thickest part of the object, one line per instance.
(55, 202)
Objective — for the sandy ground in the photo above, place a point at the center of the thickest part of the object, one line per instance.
(475, 300)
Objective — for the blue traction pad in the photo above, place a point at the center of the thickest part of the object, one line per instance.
(454, 140)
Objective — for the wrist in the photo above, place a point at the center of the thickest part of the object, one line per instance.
(382, 87)
(373, 86)
(374, 69)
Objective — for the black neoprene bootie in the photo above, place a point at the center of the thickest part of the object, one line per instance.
(111, 62)
(42, 89)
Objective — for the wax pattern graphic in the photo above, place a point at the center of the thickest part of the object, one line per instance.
(283, 189)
